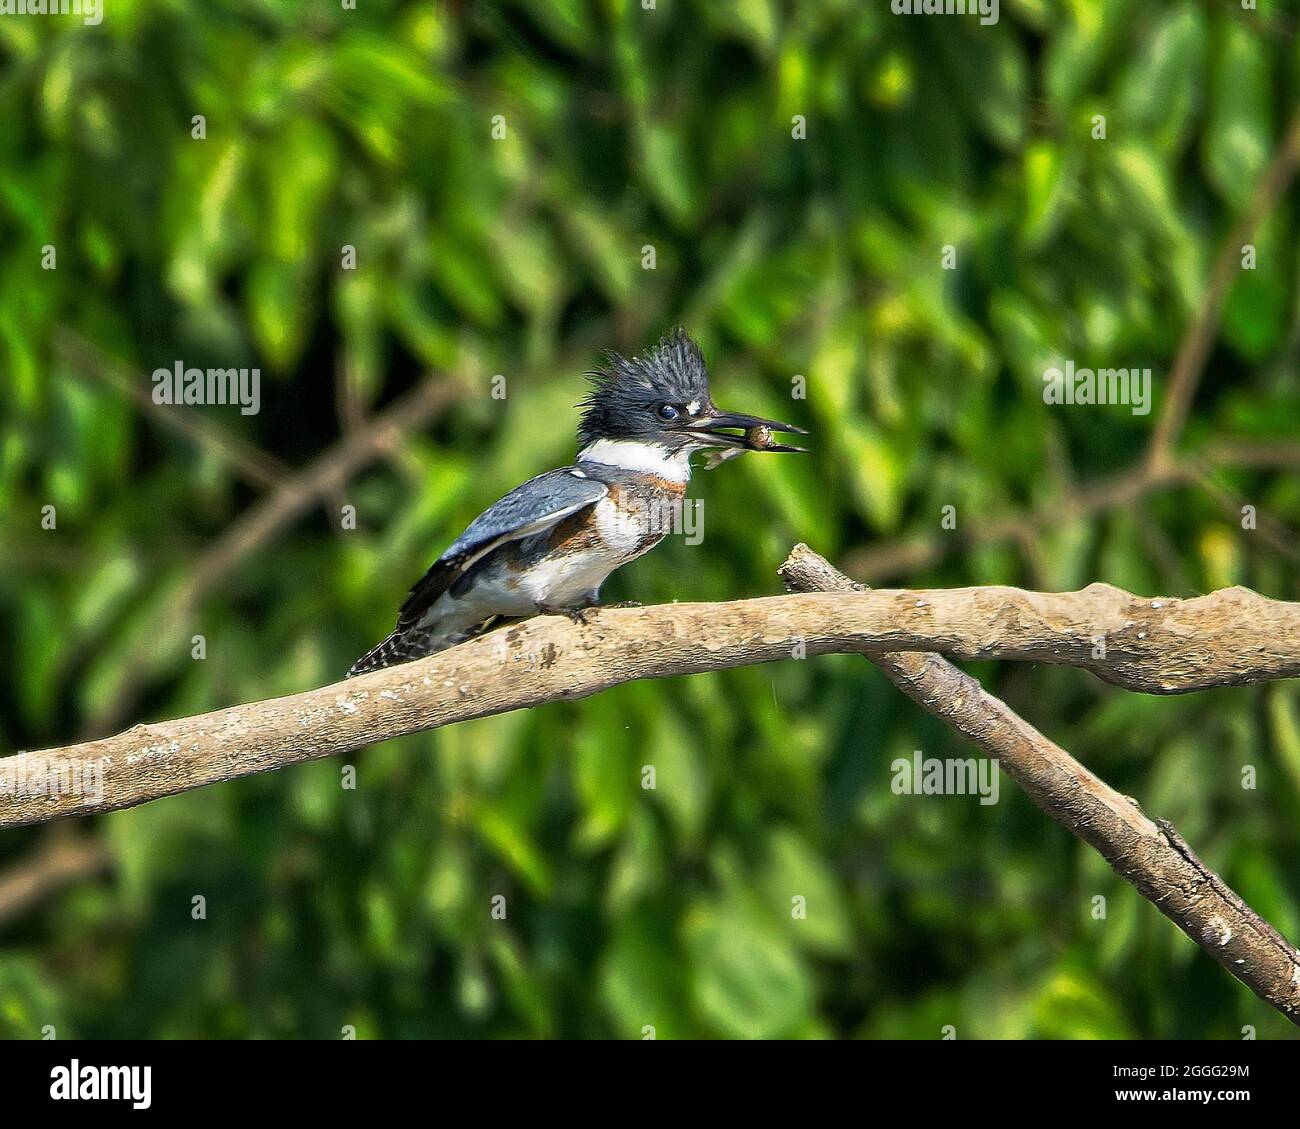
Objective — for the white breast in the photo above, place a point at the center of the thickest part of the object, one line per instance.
(620, 529)
(568, 581)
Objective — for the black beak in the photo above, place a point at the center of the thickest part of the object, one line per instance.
(755, 432)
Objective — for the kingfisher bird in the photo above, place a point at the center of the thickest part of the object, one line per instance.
(549, 544)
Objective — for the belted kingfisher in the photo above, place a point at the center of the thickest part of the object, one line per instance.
(549, 544)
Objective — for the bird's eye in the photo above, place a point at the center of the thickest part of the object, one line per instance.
(668, 412)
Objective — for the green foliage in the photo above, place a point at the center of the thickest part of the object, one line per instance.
(630, 907)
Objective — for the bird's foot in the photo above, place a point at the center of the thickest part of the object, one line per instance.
(574, 615)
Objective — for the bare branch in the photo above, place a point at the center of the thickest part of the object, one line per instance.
(1162, 646)
(256, 466)
(326, 474)
(1189, 364)
(1152, 857)
(899, 557)
(60, 861)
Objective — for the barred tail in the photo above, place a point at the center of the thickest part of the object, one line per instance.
(399, 647)
(416, 642)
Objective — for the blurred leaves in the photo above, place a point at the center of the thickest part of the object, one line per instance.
(718, 856)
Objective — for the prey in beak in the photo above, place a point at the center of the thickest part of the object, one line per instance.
(755, 435)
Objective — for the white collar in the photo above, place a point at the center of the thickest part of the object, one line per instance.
(646, 458)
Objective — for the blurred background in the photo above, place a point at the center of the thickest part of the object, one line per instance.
(646, 171)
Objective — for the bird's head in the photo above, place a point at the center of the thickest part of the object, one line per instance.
(661, 398)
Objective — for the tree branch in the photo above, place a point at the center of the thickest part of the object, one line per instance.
(255, 466)
(1161, 646)
(1151, 856)
(1189, 364)
(62, 860)
(906, 555)
(1228, 637)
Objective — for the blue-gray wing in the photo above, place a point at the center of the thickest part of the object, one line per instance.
(528, 509)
